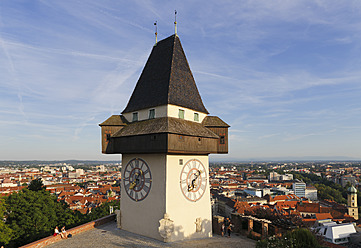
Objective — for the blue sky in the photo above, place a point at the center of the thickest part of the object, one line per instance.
(285, 74)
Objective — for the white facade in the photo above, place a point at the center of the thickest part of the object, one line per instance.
(254, 191)
(333, 232)
(311, 194)
(9, 184)
(274, 176)
(299, 189)
(165, 196)
(168, 110)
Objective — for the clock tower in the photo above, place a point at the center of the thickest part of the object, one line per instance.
(165, 136)
(352, 202)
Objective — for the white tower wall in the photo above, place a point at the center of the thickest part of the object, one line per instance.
(182, 211)
(143, 217)
(165, 196)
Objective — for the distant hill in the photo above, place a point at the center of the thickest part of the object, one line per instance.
(286, 159)
(45, 162)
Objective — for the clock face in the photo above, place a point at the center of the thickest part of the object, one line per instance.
(193, 180)
(137, 179)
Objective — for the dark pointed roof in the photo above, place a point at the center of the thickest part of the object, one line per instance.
(166, 79)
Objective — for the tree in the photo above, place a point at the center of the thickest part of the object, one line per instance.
(325, 189)
(36, 185)
(103, 210)
(5, 232)
(327, 192)
(33, 215)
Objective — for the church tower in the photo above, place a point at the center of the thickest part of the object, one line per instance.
(352, 202)
(165, 136)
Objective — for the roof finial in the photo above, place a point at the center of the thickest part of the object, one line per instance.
(175, 22)
(156, 33)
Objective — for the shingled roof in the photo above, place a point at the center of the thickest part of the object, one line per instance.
(165, 125)
(166, 79)
(214, 121)
(115, 120)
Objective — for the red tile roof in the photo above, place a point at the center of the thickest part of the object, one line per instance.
(323, 216)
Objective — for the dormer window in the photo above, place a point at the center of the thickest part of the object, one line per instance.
(135, 116)
(196, 117)
(151, 113)
(181, 114)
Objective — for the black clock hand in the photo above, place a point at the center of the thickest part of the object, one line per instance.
(197, 174)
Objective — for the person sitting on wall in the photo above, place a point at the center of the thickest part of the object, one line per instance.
(63, 233)
(56, 231)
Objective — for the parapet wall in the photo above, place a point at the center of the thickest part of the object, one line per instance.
(74, 231)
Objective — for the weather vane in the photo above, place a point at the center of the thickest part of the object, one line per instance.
(175, 22)
(156, 33)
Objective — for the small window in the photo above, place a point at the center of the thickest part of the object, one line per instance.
(196, 117)
(181, 114)
(180, 161)
(135, 116)
(108, 136)
(151, 113)
(222, 140)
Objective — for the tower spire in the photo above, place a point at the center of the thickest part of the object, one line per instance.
(156, 33)
(175, 22)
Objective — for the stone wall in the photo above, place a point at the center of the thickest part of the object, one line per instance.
(74, 231)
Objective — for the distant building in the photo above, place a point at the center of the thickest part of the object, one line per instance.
(101, 168)
(299, 189)
(286, 177)
(333, 232)
(76, 174)
(254, 191)
(274, 176)
(352, 202)
(281, 191)
(79, 172)
(260, 178)
(8, 183)
(348, 179)
(311, 193)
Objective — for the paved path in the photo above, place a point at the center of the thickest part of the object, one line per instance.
(109, 236)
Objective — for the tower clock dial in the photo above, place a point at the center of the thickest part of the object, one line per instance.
(137, 179)
(193, 180)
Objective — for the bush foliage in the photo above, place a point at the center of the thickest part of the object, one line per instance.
(298, 238)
